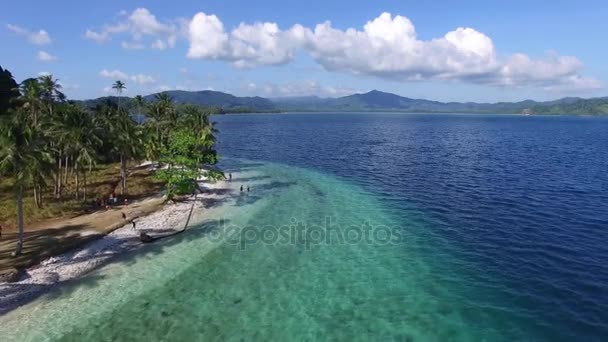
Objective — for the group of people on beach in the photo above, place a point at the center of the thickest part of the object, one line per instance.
(112, 200)
(242, 189)
(133, 224)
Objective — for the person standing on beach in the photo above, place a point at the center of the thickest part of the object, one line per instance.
(230, 177)
(247, 188)
(133, 224)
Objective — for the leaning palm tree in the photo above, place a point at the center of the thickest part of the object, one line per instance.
(119, 86)
(21, 149)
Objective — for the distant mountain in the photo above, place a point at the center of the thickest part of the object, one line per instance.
(373, 101)
(219, 99)
(380, 101)
(227, 102)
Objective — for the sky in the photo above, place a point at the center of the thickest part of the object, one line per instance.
(482, 51)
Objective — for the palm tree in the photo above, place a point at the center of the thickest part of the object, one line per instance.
(31, 98)
(79, 135)
(140, 102)
(21, 150)
(8, 91)
(168, 108)
(120, 87)
(197, 118)
(126, 137)
(50, 94)
(50, 91)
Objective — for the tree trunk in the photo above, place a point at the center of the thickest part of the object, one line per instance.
(39, 196)
(77, 183)
(19, 221)
(65, 171)
(58, 191)
(36, 197)
(55, 179)
(123, 175)
(84, 180)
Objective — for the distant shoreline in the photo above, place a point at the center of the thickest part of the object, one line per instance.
(408, 112)
(373, 101)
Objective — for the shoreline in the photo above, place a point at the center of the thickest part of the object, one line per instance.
(54, 271)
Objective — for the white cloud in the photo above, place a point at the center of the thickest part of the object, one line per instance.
(45, 56)
(99, 37)
(386, 47)
(44, 73)
(141, 79)
(132, 45)
(139, 24)
(246, 45)
(114, 74)
(159, 44)
(40, 37)
(207, 37)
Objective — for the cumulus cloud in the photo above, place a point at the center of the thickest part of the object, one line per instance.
(40, 37)
(45, 56)
(139, 24)
(141, 79)
(246, 45)
(386, 47)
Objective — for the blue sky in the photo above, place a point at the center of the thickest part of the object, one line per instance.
(483, 51)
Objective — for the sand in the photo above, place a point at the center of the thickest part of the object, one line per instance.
(69, 266)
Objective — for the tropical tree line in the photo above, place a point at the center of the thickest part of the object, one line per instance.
(46, 138)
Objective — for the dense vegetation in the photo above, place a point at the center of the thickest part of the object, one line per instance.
(46, 139)
(596, 106)
(214, 101)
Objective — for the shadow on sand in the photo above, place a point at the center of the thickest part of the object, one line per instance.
(14, 295)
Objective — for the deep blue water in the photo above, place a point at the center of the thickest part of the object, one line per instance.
(516, 206)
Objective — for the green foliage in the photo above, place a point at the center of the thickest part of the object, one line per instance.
(46, 137)
(177, 181)
(22, 152)
(186, 152)
(213, 102)
(596, 106)
(187, 149)
(8, 91)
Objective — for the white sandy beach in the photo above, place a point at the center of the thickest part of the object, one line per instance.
(72, 265)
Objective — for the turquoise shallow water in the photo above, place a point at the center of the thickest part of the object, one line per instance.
(274, 286)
